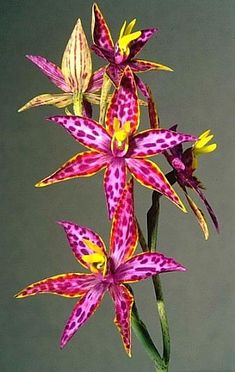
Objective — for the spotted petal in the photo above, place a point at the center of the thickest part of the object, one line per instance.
(82, 312)
(124, 234)
(52, 71)
(144, 265)
(100, 32)
(84, 164)
(149, 175)
(137, 45)
(76, 235)
(154, 141)
(140, 65)
(124, 104)
(208, 207)
(58, 100)
(115, 73)
(96, 80)
(114, 183)
(86, 131)
(66, 285)
(123, 301)
(199, 215)
(76, 62)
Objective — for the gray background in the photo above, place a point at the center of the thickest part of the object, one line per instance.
(196, 38)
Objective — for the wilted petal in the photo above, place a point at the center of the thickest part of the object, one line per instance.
(76, 235)
(100, 32)
(124, 233)
(123, 301)
(52, 71)
(140, 65)
(58, 100)
(154, 141)
(86, 131)
(114, 183)
(137, 45)
(82, 311)
(144, 265)
(81, 165)
(149, 175)
(96, 81)
(199, 215)
(76, 62)
(124, 104)
(66, 285)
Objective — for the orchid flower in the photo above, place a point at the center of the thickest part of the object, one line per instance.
(117, 148)
(123, 52)
(109, 271)
(184, 164)
(74, 77)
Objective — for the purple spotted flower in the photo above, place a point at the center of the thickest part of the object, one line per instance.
(184, 164)
(123, 52)
(117, 148)
(109, 271)
(74, 77)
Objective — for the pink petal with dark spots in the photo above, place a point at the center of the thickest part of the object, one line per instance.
(100, 32)
(140, 65)
(84, 164)
(144, 265)
(96, 81)
(149, 175)
(76, 234)
(86, 131)
(124, 233)
(209, 208)
(82, 312)
(123, 301)
(67, 285)
(154, 141)
(142, 86)
(124, 103)
(114, 73)
(52, 71)
(103, 53)
(137, 45)
(114, 183)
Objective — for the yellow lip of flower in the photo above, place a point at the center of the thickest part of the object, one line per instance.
(200, 147)
(97, 261)
(121, 135)
(125, 37)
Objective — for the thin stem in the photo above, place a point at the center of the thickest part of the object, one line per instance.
(104, 97)
(77, 104)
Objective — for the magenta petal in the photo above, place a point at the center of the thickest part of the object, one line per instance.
(144, 265)
(114, 73)
(137, 45)
(208, 207)
(114, 183)
(76, 234)
(103, 53)
(82, 311)
(123, 301)
(86, 131)
(124, 233)
(96, 81)
(142, 86)
(52, 71)
(154, 141)
(100, 31)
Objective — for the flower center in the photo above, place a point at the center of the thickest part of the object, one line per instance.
(200, 147)
(97, 261)
(120, 140)
(125, 38)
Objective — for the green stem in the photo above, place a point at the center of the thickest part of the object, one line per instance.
(77, 104)
(104, 98)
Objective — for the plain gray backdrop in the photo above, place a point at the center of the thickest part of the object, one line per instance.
(196, 39)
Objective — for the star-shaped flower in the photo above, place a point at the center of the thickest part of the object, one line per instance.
(123, 52)
(74, 77)
(185, 163)
(110, 271)
(118, 148)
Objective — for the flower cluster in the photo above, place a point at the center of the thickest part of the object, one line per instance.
(118, 147)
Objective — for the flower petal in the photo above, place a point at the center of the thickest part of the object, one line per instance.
(100, 32)
(87, 108)
(96, 81)
(124, 104)
(149, 175)
(58, 100)
(114, 73)
(52, 71)
(124, 233)
(199, 215)
(142, 86)
(86, 131)
(82, 311)
(208, 207)
(137, 45)
(154, 141)
(123, 301)
(66, 285)
(144, 265)
(84, 164)
(114, 183)
(76, 62)
(76, 235)
(140, 65)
